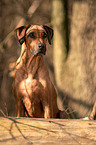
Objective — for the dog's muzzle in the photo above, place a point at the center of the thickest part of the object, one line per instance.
(39, 49)
(42, 48)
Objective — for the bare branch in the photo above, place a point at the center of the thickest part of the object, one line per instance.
(34, 6)
(3, 113)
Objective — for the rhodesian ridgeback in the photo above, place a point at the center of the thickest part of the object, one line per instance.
(34, 92)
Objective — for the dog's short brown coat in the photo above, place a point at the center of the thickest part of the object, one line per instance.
(34, 92)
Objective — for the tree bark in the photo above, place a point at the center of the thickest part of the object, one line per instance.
(60, 40)
(76, 75)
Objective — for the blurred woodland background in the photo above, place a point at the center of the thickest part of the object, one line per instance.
(71, 59)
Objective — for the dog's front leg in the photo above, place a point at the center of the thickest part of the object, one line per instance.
(47, 111)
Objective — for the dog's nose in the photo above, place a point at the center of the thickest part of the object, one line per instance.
(41, 45)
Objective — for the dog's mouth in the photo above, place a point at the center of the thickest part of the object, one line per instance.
(42, 51)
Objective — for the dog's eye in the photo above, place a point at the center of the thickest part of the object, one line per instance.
(44, 35)
(31, 35)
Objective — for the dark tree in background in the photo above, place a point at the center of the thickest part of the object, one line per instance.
(60, 47)
(75, 74)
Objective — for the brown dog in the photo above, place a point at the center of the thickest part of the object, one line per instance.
(35, 94)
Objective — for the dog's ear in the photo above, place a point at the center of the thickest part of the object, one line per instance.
(49, 32)
(21, 33)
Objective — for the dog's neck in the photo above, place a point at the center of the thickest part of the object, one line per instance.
(28, 60)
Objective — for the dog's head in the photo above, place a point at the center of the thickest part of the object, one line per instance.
(35, 37)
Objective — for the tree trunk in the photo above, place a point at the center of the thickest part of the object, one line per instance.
(76, 75)
(60, 40)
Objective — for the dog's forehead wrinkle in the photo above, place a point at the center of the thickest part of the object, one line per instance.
(35, 28)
